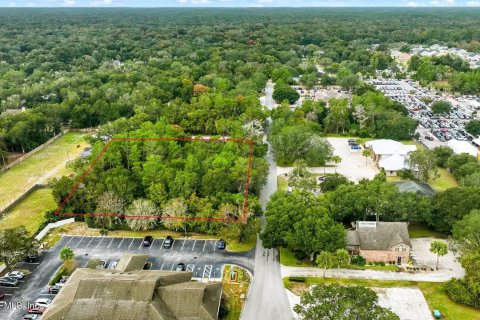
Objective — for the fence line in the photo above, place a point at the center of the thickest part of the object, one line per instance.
(21, 197)
(31, 153)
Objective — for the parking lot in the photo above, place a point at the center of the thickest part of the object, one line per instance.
(438, 128)
(201, 257)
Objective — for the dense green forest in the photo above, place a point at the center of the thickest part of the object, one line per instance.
(85, 67)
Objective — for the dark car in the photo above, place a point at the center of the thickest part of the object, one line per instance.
(221, 244)
(54, 289)
(147, 265)
(351, 141)
(30, 317)
(2, 295)
(36, 309)
(321, 178)
(168, 242)
(8, 282)
(181, 267)
(429, 138)
(147, 241)
(32, 257)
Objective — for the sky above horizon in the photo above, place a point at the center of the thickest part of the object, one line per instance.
(239, 3)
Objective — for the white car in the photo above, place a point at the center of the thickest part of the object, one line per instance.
(43, 302)
(112, 265)
(15, 274)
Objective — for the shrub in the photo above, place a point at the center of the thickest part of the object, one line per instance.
(297, 279)
(358, 260)
(60, 273)
(460, 291)
(300, 255)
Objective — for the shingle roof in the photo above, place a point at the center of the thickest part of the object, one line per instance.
(135, 295)
(416, 187)
(381, 236)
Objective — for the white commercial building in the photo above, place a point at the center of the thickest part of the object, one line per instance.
(460, 147)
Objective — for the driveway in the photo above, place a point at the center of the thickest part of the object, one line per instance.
(422, 256)
(353, 164)
(201, 257)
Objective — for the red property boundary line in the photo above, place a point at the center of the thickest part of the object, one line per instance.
(203, 139)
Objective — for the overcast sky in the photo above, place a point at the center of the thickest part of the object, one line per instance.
(237, 3)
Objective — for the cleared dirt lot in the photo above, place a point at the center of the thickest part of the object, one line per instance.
(407, 303)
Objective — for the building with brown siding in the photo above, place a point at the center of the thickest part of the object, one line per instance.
(380, 241)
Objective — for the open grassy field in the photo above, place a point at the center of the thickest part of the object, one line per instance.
(432, 291)
(44, 165)
(30, 211)
(444, 181)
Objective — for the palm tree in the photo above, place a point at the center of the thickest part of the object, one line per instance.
(336, 160)
(342, 258)
(66, 254)
(367, 152)
(439, 248)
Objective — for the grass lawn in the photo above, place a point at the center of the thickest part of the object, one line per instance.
(432, 291)
(417, 230)
(30, 211)
(233, 245)
(287, 258)
(389, 267)
(282, 183)
(233, 291)
(43, 165)
(444, 181)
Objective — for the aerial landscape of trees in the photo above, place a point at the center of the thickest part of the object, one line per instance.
(170, 73)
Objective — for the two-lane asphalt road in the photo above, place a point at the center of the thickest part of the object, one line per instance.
(267, 298)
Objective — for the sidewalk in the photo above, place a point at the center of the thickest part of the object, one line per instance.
(434, 276)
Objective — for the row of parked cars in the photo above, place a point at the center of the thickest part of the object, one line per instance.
(167, 244)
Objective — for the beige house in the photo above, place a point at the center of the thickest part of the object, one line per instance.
(380, 241)
(130, 293)
(390, 155)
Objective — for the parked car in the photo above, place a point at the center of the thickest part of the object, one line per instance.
(147, 241)
(147, 265)
(63, 279)
(32, 257)
(351, 141)
(168, 242)
(35, 309)
(31, 317)
(8, 282)
(181, 267)
(112, 264)
(355, 147)
(321, 178)
(15, 274)
(43, 302)
(429, 138)
(54, 289)
(102, 264)
(2, 295)
(221, 244)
